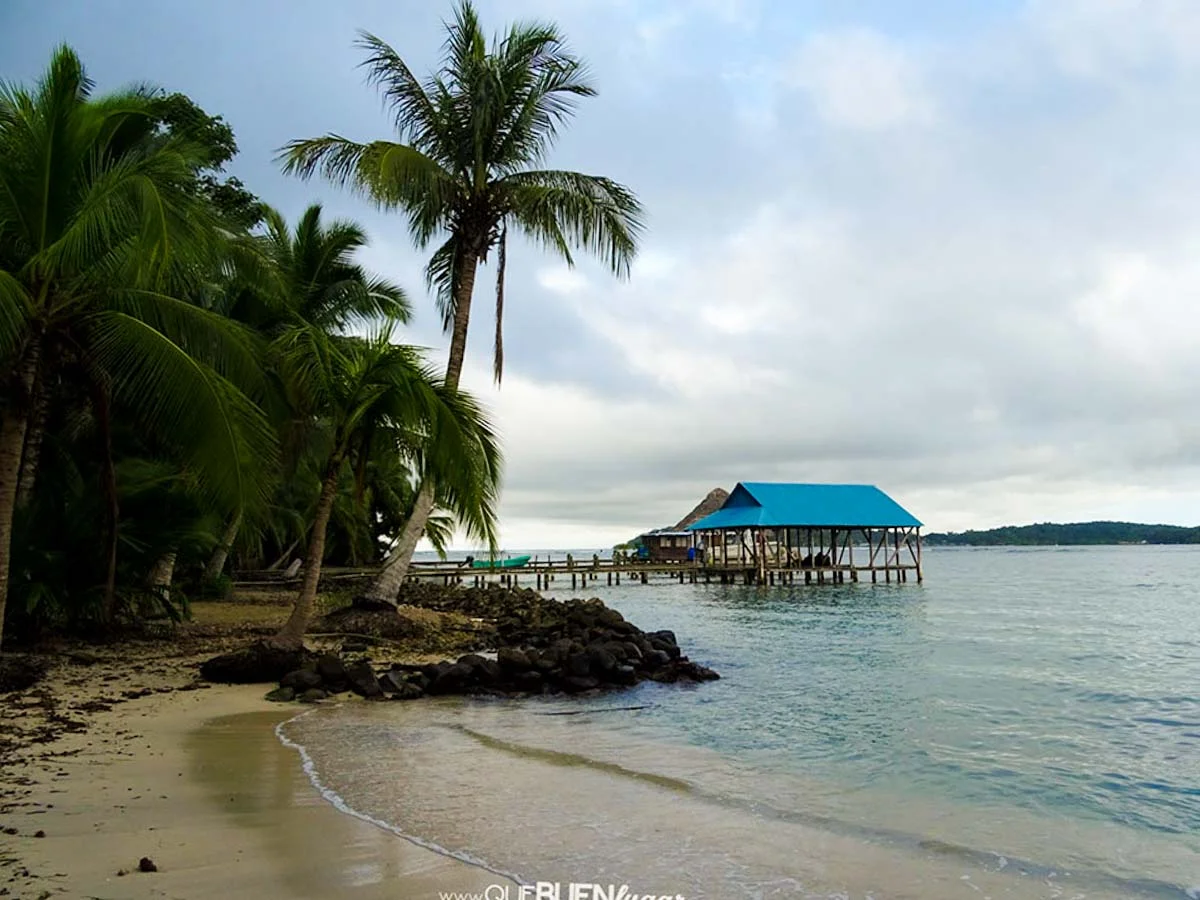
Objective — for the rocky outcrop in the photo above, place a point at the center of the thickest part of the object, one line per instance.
(544, 647)
(261, 662)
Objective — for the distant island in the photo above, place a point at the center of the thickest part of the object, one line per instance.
(1078, 533)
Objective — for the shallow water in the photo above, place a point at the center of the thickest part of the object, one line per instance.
(1026, 724)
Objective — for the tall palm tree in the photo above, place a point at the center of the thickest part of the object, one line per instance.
(372, 392)
(102, 234)
(304, 277)
(466, 165)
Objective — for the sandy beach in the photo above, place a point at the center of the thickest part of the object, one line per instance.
(112, 761)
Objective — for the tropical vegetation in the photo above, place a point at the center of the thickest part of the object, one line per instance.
(186, 379)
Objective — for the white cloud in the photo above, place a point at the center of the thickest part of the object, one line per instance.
(860, 79)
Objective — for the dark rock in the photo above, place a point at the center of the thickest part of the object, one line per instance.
(259, 663)
(474, 660)
(576, 684)
(578, 665)
(529, 681)
(312, 695)
(281, 695)
(672, 650)
(333, 672)
(695, 671)
(354, 647)
(623, 674)
(601, 661)
(301, 679)
(667, 637)
(146, 864)
(362, 680)
(39, 833)
(397, 686)
(510, 659)
(655, 659)
(451, 680)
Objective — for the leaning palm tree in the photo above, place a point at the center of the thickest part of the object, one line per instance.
(466, 165)
(303, 277)
(371, 392)
(103, 236)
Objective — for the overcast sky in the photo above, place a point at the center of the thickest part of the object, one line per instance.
(951, 249)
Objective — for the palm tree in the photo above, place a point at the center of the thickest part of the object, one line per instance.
(103, 235)
(303, 277)
(466, 166)
(372, 393)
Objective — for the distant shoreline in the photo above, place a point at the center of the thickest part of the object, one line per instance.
(1078, 534)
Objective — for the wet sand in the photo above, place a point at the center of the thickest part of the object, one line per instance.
(196, 781)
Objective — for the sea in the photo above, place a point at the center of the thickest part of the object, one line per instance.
(1025, 724)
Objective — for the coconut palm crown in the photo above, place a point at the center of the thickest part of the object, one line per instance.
(471, 138)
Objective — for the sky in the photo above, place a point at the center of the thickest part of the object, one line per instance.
(951, 249)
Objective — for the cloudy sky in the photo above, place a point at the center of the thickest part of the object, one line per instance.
(952, 249)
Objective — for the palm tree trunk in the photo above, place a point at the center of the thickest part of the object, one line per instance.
(162, 573)
(395, 568)
(112, 502)
(216, 562)
(39, 407)
(12, 446)
(293, 630)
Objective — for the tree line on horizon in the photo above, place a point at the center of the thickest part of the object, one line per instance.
(1078, 533)
(189, 378)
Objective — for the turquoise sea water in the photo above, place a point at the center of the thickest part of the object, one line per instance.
(1025, 724)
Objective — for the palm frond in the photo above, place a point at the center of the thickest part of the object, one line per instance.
(589, 211)
(222, 435)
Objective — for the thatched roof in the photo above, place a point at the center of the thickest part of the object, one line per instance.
(715, 500)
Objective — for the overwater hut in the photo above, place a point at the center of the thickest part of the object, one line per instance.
(770, 531)
(674, 543)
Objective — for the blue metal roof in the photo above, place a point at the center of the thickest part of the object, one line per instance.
(758, 504)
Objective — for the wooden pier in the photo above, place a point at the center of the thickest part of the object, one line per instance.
(884, 565)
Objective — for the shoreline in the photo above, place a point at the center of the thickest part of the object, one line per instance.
(193, 779)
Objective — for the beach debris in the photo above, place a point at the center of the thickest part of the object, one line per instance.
(146, 864)
(21, 671)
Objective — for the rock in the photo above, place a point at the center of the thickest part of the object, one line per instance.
(84, 657)
(396, 685)
(510, 659)
(362, 680)
(281, 695)
(39, 834)
(578, 665)
(696, 672)
(259, 663)
(667, 637)
(313, 695)
(655, 659)
(408, 691)
(623, 674)
(601, 661)
(146, 864)
(576, 684)
(530, 681)
(301, 679)
(354, 647)
(333, 672)
(451, 680)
